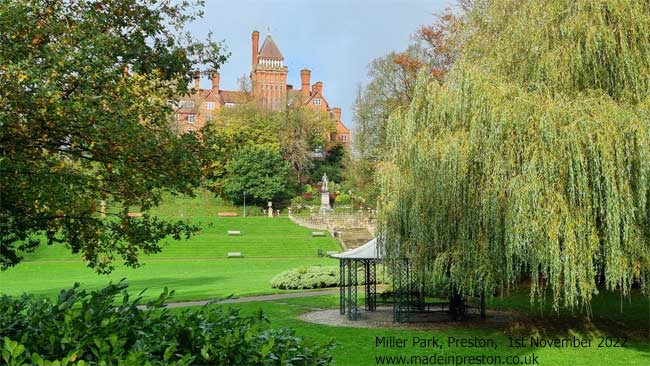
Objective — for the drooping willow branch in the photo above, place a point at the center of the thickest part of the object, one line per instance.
(538, 169)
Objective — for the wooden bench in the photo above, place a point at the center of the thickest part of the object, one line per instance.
(134, 214)
(317, 233)
(227, 214)
(235, 255)
(234, 233)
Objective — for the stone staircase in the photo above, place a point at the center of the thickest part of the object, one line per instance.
(353, 237)
(351, 230)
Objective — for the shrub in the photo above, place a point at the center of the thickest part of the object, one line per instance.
(307, 277)
(318, 277)
(81, 328)
(343, 199)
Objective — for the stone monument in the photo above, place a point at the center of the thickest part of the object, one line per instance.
(270, 211)
(325, 196)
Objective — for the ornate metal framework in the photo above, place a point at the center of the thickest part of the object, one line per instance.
(349, 271)
(413, 299)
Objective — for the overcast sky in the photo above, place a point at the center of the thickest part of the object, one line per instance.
(336, 39)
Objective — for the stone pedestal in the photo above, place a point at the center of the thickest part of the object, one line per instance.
(325, 202)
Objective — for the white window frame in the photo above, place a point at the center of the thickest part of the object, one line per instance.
(191, 118)
(209, 105)
(344, 138)
(316, 101)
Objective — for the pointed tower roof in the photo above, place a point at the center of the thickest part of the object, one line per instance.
(270, 50)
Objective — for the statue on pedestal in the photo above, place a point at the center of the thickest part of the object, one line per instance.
(325, 196)
(324, 183)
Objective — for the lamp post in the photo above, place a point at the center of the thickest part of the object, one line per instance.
(244, 203)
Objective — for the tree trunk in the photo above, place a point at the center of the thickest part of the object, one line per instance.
(456, 305)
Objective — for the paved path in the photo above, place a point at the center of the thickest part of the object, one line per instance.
(291, 295)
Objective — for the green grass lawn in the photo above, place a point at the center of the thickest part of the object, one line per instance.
(357, 347)
(196, 268)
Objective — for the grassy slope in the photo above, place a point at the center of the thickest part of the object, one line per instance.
(196, 268)
(356, 347)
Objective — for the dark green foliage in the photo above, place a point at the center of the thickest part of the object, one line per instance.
(100, 328)
(261, 172)
(333, 172)
(84, 117)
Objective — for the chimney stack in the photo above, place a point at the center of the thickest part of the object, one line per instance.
(215, 82)
(197, 81)
(255, 48)
(317, 87)
(337, 113)
(305, 75)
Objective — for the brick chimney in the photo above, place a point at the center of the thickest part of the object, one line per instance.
(215, 82)
(197, 81)
(305, 75)
(337, 113)
(317, 87)
(255, 46)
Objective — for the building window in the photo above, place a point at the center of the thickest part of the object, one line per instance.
(229, 105)
(209, 105)
(191, 118)
(209, 118)
(344, 138)
(187, 104)
(178, 116)
(316, 101)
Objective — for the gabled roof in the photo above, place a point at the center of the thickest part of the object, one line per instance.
(317, 95)
(270, 50)
(228, 96)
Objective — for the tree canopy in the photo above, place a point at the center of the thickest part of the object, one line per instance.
(260, 172)
(532, 159)
(85, 88)
(295, 132)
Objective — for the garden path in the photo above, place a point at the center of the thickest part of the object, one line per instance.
(253, 298)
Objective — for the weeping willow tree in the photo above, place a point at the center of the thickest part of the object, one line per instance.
(532, 160)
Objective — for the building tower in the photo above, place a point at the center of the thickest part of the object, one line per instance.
(268, 73)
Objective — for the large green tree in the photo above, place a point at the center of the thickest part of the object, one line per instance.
(260, 173)
(295, 132)
(85, 88)
(532, 160)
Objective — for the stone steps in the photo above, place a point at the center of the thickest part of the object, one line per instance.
(354, 238)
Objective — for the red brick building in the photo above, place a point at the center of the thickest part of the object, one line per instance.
(268, 87)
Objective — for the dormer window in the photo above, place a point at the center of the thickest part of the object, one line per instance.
(316, 101)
